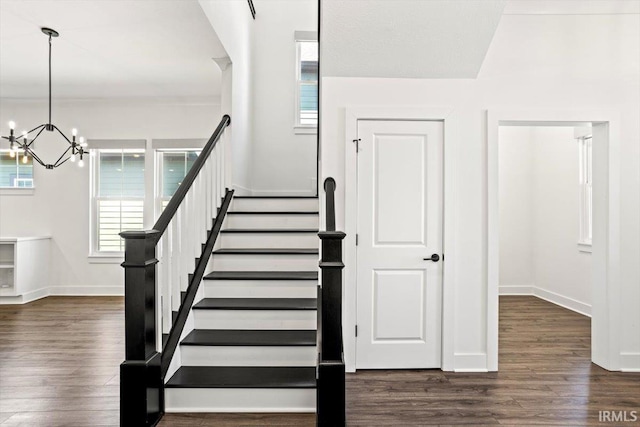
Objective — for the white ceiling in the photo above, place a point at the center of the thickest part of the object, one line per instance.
(108, 49)
(407, 38)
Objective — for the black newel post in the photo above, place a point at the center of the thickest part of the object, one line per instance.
(141, 391)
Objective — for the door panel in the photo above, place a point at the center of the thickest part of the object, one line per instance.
(399, 224)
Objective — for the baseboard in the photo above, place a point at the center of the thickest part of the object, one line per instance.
(241, 190)
(470, 362)
(275, 193)
(86, 291)
(25, 298)
(515, 290)
(630, 362)
(562, 301)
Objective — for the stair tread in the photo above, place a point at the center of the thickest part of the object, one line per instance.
(257, 304)
(232, 337)
(273, 213)
(243, 377)
(269, 251)
(262, 275)
(269, 230)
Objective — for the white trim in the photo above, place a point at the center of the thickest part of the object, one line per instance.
(565, 302)
(470, 362)
(629, 362)
(106, 259)
(17, 191)
(586, 247)
(26, 297)
(516, 289)
(80, 291)
(305, 130)
(606, 284)
(352, 115)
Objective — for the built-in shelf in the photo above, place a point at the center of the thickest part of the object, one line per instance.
(24, 268)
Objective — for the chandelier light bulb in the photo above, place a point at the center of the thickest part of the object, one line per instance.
(25, 159)
(74, 131)
(81, 163)
(73, 158)
(12, 154)
(12, 125)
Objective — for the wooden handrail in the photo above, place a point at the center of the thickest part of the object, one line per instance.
(172, 207)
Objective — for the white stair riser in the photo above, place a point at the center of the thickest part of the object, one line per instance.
(260, 288)
(240, 400)
(268, 240)
(251, 262)
(271, 221)
(199, 355)
(255, 319)
(274, 205)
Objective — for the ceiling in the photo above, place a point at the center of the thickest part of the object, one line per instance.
(108, 49)
(407, 38)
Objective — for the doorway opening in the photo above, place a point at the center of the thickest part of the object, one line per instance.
(546, 271)
(604, 304)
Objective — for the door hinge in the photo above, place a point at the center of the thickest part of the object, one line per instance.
(357, 142)
(443, 257)
(356, 240)
(356, 330)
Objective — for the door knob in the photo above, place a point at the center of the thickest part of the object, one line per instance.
(434, 258)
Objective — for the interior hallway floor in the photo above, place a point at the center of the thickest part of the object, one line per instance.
(59, 361)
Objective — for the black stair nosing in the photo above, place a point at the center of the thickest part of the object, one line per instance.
(257, 304)
(273, 213)
(262, 275)
(275, 197)
(271, 377)
(269, 230)
(251, 338)
(266, 251)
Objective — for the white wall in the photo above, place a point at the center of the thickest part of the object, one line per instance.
(539, 217)
(59, 206)
(542, 61)
(283, 162)
(233, 25)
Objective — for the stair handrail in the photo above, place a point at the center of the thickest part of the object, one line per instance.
(175, 239)
(172, 207)
(331, 367)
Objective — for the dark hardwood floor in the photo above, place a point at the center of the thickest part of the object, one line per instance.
(59, 361)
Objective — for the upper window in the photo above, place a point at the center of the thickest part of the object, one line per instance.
(586, 189)
(16, 170)
(307, 83)
(118, 196)
(173, 167)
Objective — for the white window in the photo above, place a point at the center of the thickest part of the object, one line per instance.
(173, 166)
(16, 170)
(307, 81)
(118, 193)
(586, 192)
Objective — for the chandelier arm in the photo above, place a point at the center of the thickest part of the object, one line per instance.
(36, 128)
(61, 163)
(63, 135)
(61, 156)
(37, 135)
(36, 158)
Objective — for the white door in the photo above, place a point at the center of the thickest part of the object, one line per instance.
(400, 211)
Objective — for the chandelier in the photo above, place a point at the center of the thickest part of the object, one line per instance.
(25, 142)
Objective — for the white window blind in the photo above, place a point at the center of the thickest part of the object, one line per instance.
(118, 196)
(14, 173)
(307, 83)
(173, 167)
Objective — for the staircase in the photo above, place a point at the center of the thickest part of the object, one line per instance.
(251, 346)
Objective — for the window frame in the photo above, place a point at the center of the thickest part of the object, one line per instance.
(18, 190)
(96, 255)
(159, 199)
(299, 128)
(585, 162)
